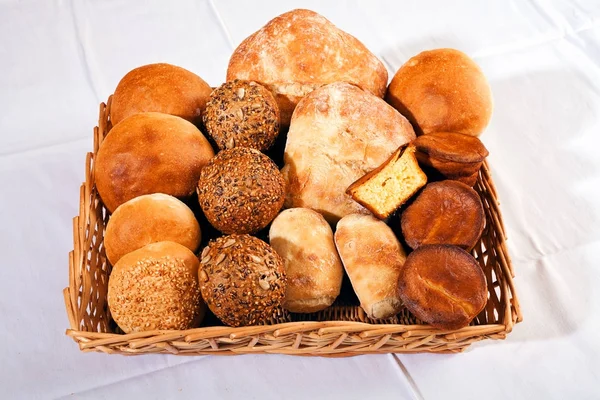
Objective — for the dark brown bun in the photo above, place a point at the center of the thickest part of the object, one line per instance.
(160, 88)
(242, 279)
(240, 190)
(442, 90)
(443, 286)
(242, 114)
(149, 219)
(447, 212)
(150, 153)
(156, 287)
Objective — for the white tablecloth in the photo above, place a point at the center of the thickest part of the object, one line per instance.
(59, 59)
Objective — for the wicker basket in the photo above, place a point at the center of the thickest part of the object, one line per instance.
(341, 330)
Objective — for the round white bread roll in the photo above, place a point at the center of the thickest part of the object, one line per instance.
(156, 287)
(149, 219)
(304, 241)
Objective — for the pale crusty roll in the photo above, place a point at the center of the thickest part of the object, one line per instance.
(373, 259)
(304, 241)
(300, 51)
(338, 134)
(148, 219)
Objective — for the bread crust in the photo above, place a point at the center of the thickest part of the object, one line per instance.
(442, 90)
(300, 51)
(304, 241)
(149, 219)
(446, 212)
(337, 135)
(373, 258)
(443, 286)
(163, 88)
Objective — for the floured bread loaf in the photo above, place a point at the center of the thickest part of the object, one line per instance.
(338, 134)
(301, 50)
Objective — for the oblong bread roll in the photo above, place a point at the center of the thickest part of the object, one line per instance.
(304, 241)
(373, 258)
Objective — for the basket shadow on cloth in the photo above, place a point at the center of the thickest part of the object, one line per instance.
(341, 330)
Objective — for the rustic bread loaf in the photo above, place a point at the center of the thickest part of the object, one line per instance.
(300, 51)
(337, 135)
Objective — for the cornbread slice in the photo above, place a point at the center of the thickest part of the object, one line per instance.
(387, 187)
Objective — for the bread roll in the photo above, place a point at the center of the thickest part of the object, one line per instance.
(156, 287)
(443, 286)
(300, 51)
(242, 114)
(338, 134)
(442, 90)
(373, 259)
(383, 190)
(150, 153)
(447, 212)
(148, 219)
(160, 88)
(314, 271)
(240, 191)
(242, 279)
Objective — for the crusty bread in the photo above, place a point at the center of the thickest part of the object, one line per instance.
(373, 259)
(156, 287)
(387, 187)
(304, 241)
(443, 286)
(150, 153)
(447, 212)
(442, 90)
(299, 51)
(242, 279)
(148, 219)
(161, 88)
(338, 134)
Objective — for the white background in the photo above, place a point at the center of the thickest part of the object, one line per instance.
(60, 59)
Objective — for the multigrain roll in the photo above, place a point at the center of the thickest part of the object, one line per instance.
(442, 90)
(240, 190)
(156, 287)
(150, 153)
(447, 212)
(242, 114)
(242, 279)
(300, 51)
(160, 88)
(149, 219)
(373, 258)
(443, 286)
(304, 241)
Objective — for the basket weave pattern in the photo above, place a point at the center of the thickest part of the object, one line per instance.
(340, 330)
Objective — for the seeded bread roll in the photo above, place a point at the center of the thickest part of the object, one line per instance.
(149, 219)
(156, 287)
(242, 279)
(240, 190)
(373, 259)
(150, 153)
(443, 286)
(447, 212)
(442, 90)
(314, 271)
(242, 114)
(160, 88)
(300, 51)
